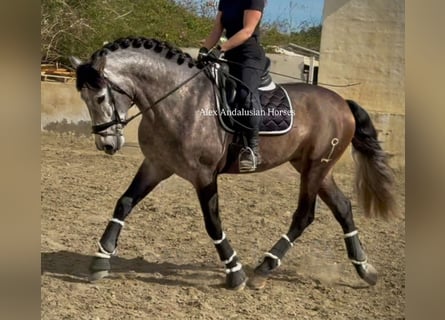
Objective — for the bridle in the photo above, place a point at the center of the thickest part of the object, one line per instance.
(98, 129)
(111, 86)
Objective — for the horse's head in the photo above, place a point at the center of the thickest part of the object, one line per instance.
(107, 103)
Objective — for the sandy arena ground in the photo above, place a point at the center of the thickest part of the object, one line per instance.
(167, 267)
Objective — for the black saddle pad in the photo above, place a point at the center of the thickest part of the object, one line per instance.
(277, 113)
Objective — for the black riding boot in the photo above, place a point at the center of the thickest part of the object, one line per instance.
(249, 157)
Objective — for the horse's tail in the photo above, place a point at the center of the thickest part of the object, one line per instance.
(374, 178)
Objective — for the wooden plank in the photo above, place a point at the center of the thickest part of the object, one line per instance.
(52, 72)
(46, 77)
(60, 72)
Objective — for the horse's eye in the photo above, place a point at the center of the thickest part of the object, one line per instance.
(100, 99)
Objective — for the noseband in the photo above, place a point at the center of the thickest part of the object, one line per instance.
(98, 129)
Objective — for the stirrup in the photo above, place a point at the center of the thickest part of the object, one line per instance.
(247, 165)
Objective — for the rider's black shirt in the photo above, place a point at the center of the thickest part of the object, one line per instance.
(233, 14)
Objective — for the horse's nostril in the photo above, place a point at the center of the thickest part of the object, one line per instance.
(109, 149)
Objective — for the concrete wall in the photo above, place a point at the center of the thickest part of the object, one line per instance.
(363, 41)
(60, 105)
(62, 110)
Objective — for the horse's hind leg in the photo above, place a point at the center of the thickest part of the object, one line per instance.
(341, 208)
(146, 179)
(208, 198)
(311, 178)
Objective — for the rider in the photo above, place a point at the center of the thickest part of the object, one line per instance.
(240, 19)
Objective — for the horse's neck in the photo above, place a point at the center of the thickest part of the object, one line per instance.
(150, 75)
(152, 78)
(179, 113)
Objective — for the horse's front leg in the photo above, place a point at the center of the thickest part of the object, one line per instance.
(146, 179)
(208, 198)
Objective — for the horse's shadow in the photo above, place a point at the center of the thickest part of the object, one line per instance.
(73, 267)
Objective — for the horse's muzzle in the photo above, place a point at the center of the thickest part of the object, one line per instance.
(109, 150)
(110, 144)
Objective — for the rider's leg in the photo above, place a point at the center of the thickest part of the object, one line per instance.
(250, 157)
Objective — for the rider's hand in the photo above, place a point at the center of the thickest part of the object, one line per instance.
(202, 53)
(213, 55)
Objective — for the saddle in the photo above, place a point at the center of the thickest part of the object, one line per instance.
(276, 114)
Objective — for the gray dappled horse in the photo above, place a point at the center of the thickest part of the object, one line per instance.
(176, 138)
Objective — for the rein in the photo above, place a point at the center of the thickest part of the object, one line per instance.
(97, 129)
(117, 120)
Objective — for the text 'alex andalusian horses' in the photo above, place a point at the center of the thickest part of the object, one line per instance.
(176, 137)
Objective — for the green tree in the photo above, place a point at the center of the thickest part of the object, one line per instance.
(73, 27)
(77, 27)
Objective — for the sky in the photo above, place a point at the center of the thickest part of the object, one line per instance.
(295, 11)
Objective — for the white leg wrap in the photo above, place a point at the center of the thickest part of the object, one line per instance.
(230, 259)
(118, 221)
(102, 252)
(102, 255)
(236, 268)
(350, 234)
(364, 262)
(288, 240)
(216, 242)
(270, 255)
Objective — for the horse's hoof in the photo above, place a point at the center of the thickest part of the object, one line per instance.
(95, 276)
(236, 280)
(99, 268)
(258, 282)
(368, 273)
(240, 287)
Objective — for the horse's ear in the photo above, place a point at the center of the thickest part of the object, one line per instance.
(99, 64)
(75, 62)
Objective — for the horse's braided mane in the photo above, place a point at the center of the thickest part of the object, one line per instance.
(87, 75)
(158, 46)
